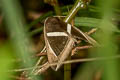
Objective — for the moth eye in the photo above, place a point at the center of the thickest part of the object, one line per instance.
(77, 38)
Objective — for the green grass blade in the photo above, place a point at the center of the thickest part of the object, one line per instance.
(16, 29)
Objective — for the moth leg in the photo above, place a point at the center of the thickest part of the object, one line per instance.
(79, 48)
(78, 42)
(42, 69)
(93, 42)
(41, 54)
(87, 34)
(91, 31)
(43, 51)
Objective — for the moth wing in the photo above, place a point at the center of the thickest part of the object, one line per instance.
(56, 39)
(50, 54)
(78, 33)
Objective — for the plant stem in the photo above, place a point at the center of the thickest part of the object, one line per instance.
(55, 4)
(80, 4)
(57, 8)
(67, 70)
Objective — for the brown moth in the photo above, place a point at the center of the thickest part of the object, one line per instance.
(60, 38)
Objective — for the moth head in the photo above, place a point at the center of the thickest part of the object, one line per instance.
(51, 21)
(54, 24)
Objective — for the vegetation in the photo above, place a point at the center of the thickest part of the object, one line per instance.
(21, 39)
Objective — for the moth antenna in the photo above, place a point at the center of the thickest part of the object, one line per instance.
(93, 42)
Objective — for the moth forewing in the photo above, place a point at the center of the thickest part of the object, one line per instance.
(57, 41)
(51, 55)
(50, 52)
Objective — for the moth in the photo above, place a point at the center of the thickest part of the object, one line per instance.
(60, 39)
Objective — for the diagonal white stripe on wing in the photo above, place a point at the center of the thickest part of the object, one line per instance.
(69, 28)
(57, 34)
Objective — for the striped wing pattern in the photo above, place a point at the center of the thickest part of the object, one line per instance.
(56, 39)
